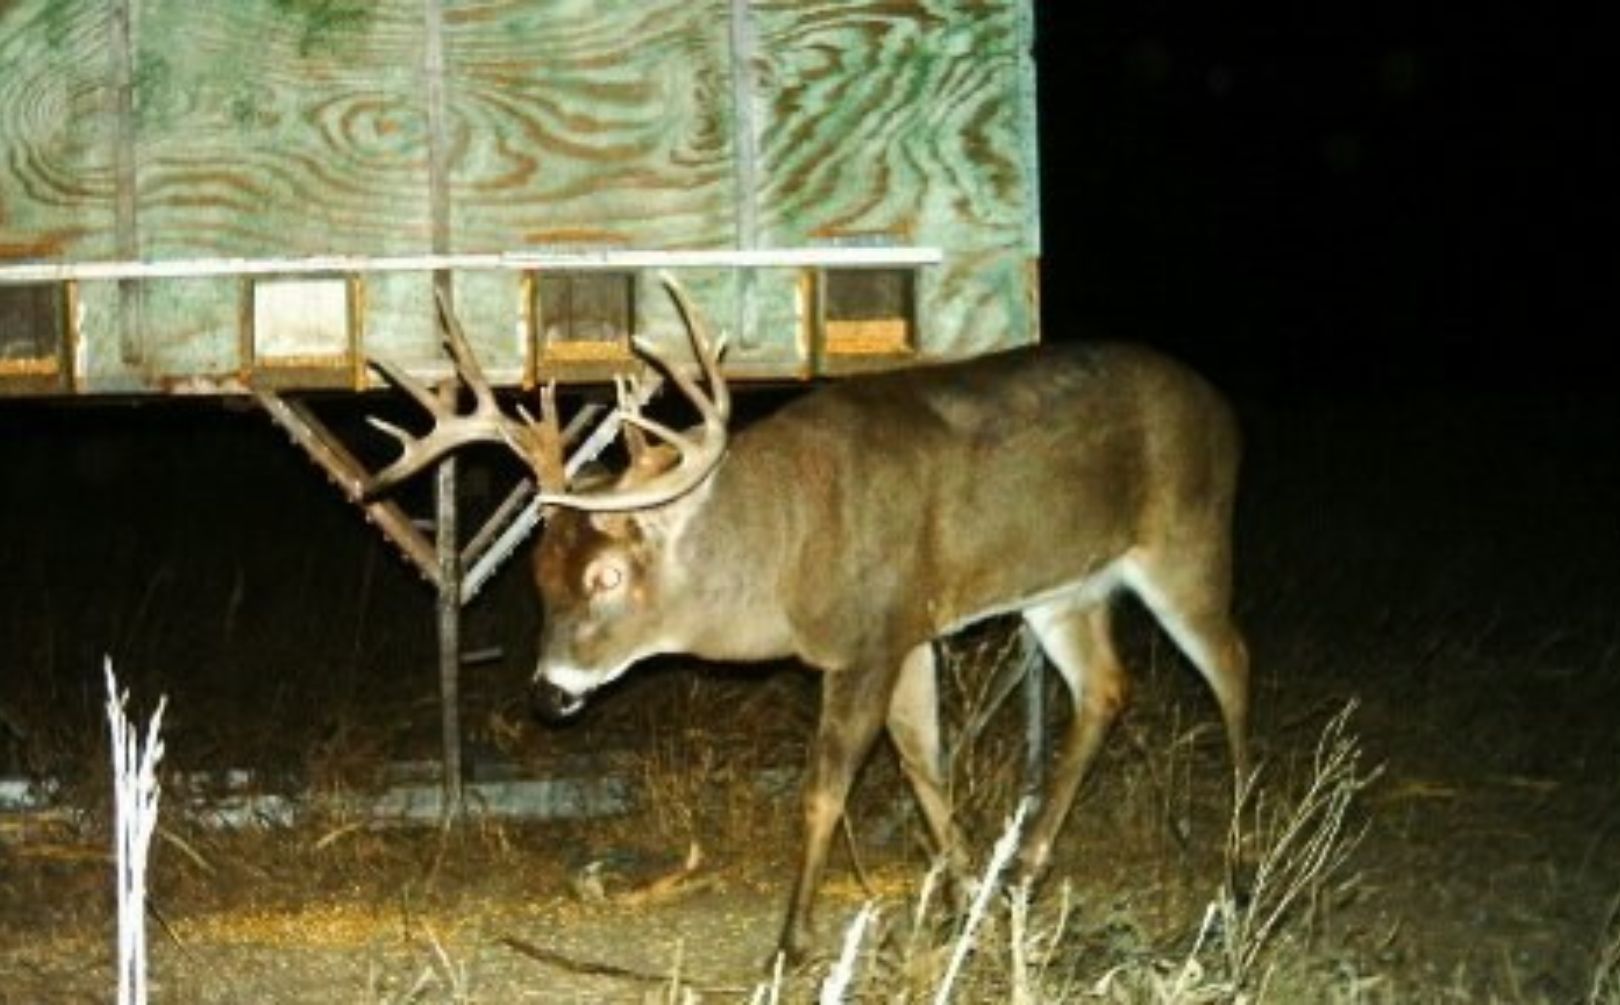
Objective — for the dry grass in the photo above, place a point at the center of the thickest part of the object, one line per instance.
(1298, 826)
(980, 715)
(1606, 972)
(1300, 840)
(701, 785)
(1303, 846)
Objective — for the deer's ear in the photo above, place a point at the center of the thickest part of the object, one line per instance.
(650, 461)
(623, 527)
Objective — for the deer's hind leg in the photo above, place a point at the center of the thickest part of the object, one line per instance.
(1075, 636)
(914, 727)
(1190, 595)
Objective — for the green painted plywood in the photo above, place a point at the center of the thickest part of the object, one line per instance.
(280, 128)
(907, 121)
(58, 135)
(270, 128)
(893, 118)
(589, 124)
(286, 128)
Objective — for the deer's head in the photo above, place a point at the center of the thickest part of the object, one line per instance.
(597, 565)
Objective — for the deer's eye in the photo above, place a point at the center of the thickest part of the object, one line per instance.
(605, 575)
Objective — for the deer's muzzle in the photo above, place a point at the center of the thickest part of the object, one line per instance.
(554, 703)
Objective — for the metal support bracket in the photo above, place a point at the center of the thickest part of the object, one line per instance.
(456, 573)
(308, 432)
(1032, 664)
(446, 517)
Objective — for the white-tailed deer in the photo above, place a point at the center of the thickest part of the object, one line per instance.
(869, 517)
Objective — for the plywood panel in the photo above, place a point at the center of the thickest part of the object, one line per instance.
(893, 117)
(284, 128)
(280, 127)
(908, 121)
(57, 131)
(190, 332)
(590, 123)
(99, 367)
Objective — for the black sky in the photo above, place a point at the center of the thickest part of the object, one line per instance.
(1354, 195)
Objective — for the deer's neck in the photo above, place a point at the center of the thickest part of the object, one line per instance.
(725, 554)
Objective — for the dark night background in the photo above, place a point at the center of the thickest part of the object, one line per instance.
(1380, 227)
(1330, 194)
(1384, 219)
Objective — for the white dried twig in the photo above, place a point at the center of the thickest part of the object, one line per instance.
(135, 806)
(843, 972)
(1006, 845)
(1310, 844)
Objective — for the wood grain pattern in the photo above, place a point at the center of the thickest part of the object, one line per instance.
(892, 117)
(602, 123)
(274, 127)
(57, 178)
(278, 128)
(906, 119)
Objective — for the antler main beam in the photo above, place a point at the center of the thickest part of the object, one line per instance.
(486, 423)
(540, 442)
(698, 452)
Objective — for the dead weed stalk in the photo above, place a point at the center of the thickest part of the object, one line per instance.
(1303, 846)
(1605, 988)
(979, 670)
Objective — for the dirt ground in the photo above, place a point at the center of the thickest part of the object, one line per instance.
(1452, 568)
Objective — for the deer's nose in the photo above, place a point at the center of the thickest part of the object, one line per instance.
(552, 703)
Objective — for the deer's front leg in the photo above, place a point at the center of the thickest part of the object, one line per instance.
(853, 703)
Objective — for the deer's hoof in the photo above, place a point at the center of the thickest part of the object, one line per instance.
(793, 951)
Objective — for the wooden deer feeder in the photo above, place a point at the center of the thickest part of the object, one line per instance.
(258, 197)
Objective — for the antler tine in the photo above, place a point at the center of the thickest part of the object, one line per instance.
(548, 403)
(698, 455)
(449, 433)
(419, 392)
(708, 353)
(680, 441)
(455, 339)
(484, 424)
(544, 440)
(548, 415)
(384, 426)
(635, 442)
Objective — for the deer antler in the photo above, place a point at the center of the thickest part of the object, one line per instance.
(697, 454)
(540, 442)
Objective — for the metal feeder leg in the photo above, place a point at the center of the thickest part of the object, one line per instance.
(449, 610)
(1034, 667)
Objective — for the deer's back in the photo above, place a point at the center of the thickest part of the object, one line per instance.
(1068, 410)
(964, 486)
